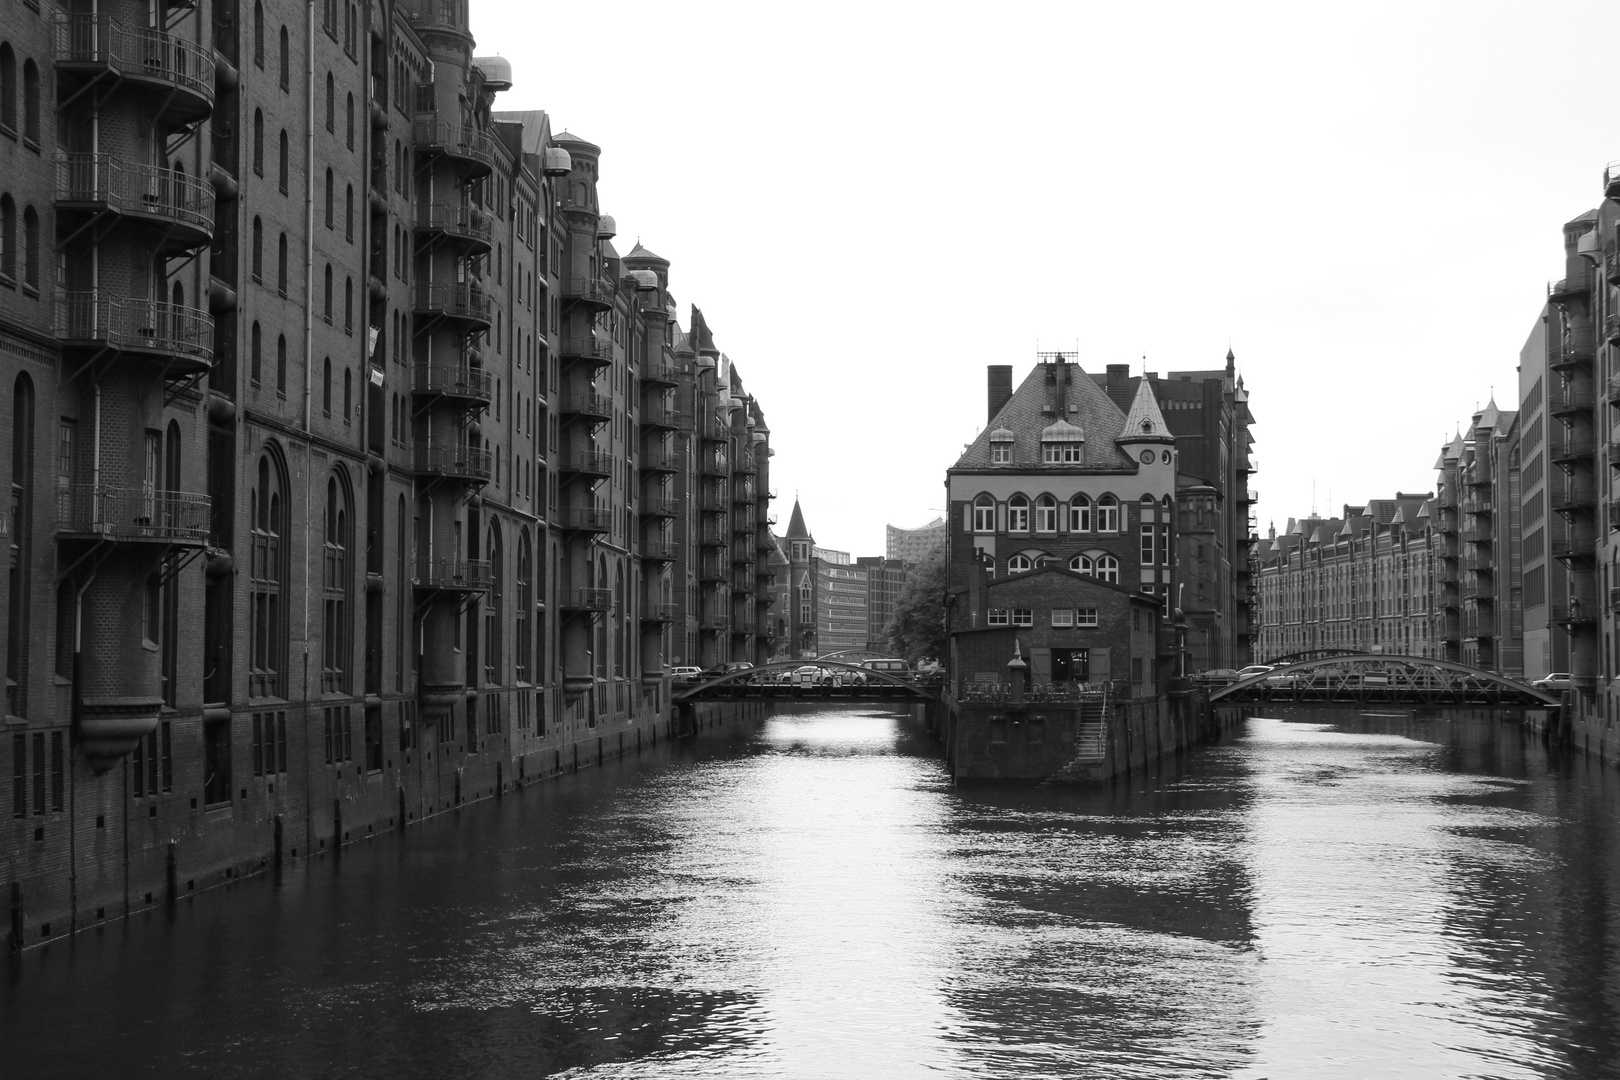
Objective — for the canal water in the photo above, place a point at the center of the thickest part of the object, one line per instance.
(809, 896)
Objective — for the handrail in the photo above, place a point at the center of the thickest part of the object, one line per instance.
(449, 571)
(129, 323)
(461, 301)
(131, 188)
(101, 39)
(133, 513)
(450, 378)
(461, 218)
(458, 139)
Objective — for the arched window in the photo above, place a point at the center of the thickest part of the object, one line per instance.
(1108, 514)
(1018, 514)
(281, 265)
(258, 142)
(326, 388)
(348, 214)
(255, 354)
(31, 101)
(492, 609)
(286, 62)
(266, 576)
(1046, 514)
(281, 364)
(349, 122)
(348, 395)
(522, 647)
(331, 103)
(258, 32)
(336, 632)
(326, 295)
(331, 196)
(30, 251)
(18, 611)
(8, 237)
(348, 305)
(1108, 568)
(8, 86)
(281, 169)
(258, 250)
(1080, 514)
(1018, 564)
(1082, 564)
(984, 514)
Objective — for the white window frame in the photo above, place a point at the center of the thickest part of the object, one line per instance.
(1083, 564)
(1023, 616)
(1086, 616)
(984, 515)
(996, 617)
(1062, 617)
(1107, 569)
(1018, 514)
(1108, 514)
(1019, 564)
(1080, 514)
(1046, 514)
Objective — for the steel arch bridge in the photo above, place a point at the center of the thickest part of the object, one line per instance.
(1368, 679)
(744, 686)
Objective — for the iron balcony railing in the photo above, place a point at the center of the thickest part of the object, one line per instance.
(150, 55)
(715, 622)
(1611, 180)
(590, 462)
(462, 220)
(1576, 284)
(1611, 266)
(660, 507)
(1571, 399)
(467, 462)
(591, 289)
(1570, 351)
(586, 518)
(659, 461)
(1571, 448)
(451, 572)
(457, 140)
(1574, 497)
(658, 550)
(1611, 327)
(598, 406)
(454, 380)
(1476, 536)
(456, 302)
(588, 347)
(1579, 547)
(581, 598)
(123, 322)
(658, 612)
(103, 180)
(1575, 613)
(122, 513)
(660, 416)
(660, 375)
(714, 467)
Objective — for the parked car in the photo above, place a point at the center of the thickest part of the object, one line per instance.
(1556, 681)
(1221, 676)
(686, 673)
(1254, 669)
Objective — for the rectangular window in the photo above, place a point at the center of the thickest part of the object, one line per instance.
(1023, 616)
(39, 772)
(216, 762)
(1001, 453)
(1086, 616)
(58, 774)
(19, 776)
(1080, 517)
(374, 750)
(1063, 616)
(997, 617)
(1147, 545)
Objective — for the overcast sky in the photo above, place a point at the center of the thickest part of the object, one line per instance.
(873, 201)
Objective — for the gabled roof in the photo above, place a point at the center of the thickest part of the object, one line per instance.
(640, 252)
(1145, 421)
(1026, 414)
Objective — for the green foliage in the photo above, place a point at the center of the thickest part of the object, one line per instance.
(918, 627)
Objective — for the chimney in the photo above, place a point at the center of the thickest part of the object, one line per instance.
(1000, 388)
(1119, 385)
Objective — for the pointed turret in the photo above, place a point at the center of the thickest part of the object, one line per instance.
(1144, 422)
(796, 528)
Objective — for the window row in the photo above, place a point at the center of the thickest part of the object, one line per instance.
(19, 247)
(1099, 565)
(8, 96)
(1079, 515)
(1059, 617)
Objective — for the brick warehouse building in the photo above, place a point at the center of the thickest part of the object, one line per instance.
(354, 474)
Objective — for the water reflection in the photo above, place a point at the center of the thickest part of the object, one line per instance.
(811, 897)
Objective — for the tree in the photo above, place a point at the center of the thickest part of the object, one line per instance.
(918, 627)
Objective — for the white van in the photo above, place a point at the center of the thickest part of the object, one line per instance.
(899, 669)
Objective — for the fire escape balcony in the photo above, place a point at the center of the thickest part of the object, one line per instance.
(714, 569)
(660, 508)
(1481, 625)
(178, 208)
(1576, 286)
(591, 291)
(713, 466)
(1611, 180)
(714, 502)
(660, 375)
(659, 461)
(1574, 351)
(594, 350)
(1611, 327)
(580, 598)
(712, 536)
(140, 515)
(182, 337)
(455, 462)
(658, 613)
(658, 551)
(1571, 449)
(589, 463)
(1612, 391)
(461, 382)
(1571, 401)
(1578, 548)
(462, 223)
(177, 72)
(744, 465)
(590, 519)
(1611, 267)
(662, 418)
(597, 408)
(1477, 536)
(1574, 498)
(472, 149)
(466, 303)
(716, 621)
(1575, 614)
(446, 573)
